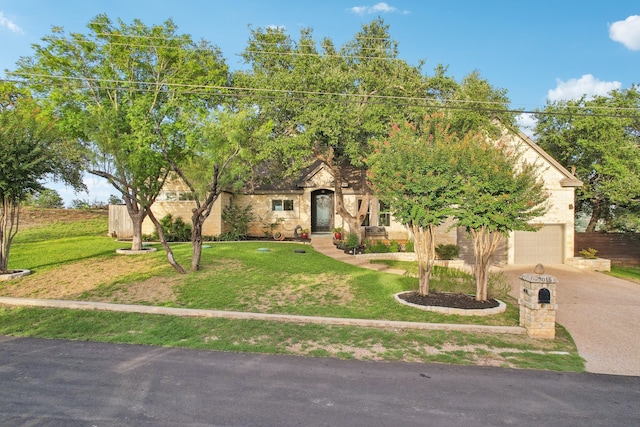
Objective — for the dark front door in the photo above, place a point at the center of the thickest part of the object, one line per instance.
(321, 211)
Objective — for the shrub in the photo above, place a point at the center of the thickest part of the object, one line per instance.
(447, 251)
(409, 246)
(237, 219)
(377, 248)
(394, 246)
(230, 237)
(174, 230)
(589, 253)
(353, 241)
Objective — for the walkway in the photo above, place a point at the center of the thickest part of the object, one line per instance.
(323, 243)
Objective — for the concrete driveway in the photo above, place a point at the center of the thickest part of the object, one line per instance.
(602, 314)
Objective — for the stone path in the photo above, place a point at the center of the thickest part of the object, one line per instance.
(324, 244)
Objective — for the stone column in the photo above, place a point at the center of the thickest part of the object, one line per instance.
(538, 305)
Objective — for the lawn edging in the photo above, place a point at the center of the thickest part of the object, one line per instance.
(193, 312)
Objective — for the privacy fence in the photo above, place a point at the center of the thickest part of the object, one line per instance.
(620, 248)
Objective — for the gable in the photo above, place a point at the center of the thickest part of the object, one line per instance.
(552, 172)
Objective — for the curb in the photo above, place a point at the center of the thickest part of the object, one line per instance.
(192, 312)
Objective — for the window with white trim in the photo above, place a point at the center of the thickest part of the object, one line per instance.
(281, 205)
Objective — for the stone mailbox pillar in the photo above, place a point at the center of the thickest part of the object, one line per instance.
(538, 304)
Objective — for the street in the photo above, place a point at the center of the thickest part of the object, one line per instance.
(56, 382)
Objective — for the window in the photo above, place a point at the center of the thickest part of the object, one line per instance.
(384, 214)
(175, 196)
(279, 205)
(365, 222)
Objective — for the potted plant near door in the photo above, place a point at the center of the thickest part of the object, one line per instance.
(337, 233)
(304, 234)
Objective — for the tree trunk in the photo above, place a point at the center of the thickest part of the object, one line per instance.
(9, 221)
(596, 212)
(353, 221)
(424, 244)
(197, 222)
(137, 216)
(485, 243)
(165, 245)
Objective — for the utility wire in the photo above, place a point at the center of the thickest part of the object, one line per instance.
(316, 96)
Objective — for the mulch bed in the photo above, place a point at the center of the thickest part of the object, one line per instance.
(444, 299)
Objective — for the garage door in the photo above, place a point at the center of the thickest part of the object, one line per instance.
(544, 246)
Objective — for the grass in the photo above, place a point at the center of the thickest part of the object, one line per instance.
(628, 273)
(236, 276)
(294, 339)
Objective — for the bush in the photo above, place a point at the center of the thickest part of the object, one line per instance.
(377, 248)
(447, 251)
(230, 237)
(353, 241)
(589, 253)
(174, 230)
(394, 246)
(237, 219)
(409, 246)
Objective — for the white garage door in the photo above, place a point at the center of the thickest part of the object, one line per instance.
(545, 246)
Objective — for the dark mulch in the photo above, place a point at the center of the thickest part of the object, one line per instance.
(444, 299)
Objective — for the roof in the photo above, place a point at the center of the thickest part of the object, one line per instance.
(353, 178)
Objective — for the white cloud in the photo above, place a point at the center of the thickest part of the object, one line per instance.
(526, 122)
(626, 32)
(381, 7)
(576, 88)
(9, 24)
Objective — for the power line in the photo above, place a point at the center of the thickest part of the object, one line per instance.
(317, 96)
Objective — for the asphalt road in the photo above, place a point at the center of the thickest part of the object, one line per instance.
(55, 383)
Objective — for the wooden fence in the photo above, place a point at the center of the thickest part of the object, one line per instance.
(620, 248)
(120, 224)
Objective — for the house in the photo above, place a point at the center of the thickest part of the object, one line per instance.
(307, 201)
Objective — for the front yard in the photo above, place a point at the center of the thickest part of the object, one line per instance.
(75, 261)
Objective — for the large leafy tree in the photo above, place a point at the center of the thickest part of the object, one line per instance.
(500, 193)
(599, 138)
(32, 149)
(415, 173)
(122, 88)
(329, 103)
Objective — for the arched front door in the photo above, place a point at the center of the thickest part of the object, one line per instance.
(321, 211)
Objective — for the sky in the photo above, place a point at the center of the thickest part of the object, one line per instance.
(538, 50)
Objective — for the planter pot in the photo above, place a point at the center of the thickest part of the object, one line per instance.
(304, 236)
(594, 264)
(337, 236)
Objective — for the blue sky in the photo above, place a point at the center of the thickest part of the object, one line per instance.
(536, 49)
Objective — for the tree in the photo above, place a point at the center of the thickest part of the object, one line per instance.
(46, 198)
(328, 104)
(600, 139)
(218, 150)
(32, 148)
(121, 88)
(500, 193)
(415, 174)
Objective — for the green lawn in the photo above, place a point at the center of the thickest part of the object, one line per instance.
(76, 261)
(629, 273)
